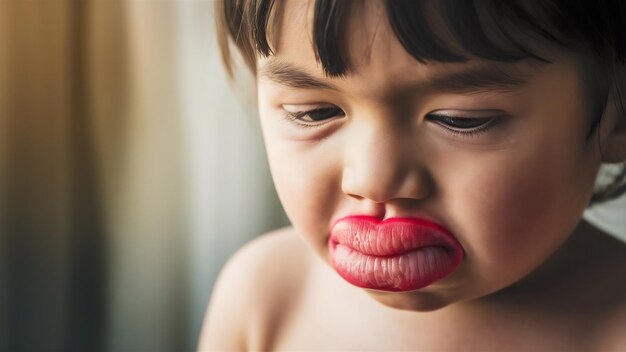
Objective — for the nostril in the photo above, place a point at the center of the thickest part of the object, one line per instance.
(382, 172)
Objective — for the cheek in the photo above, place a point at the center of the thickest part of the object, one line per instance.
(515, 210)
(308, 183)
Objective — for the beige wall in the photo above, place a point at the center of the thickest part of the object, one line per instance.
(127, 165)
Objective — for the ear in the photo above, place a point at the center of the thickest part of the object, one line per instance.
(613, 128)
(613, 142)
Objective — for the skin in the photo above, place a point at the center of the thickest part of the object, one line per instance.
(513, 196)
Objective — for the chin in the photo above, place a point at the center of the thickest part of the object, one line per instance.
(410, 301)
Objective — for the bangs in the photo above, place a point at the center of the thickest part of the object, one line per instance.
(456, 31)
(486, 29)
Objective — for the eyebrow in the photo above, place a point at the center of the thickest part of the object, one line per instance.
(290, 76)
(479, 78)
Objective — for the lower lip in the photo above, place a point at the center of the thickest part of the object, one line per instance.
(435, 258)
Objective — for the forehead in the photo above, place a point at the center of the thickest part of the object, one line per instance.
(375, 57)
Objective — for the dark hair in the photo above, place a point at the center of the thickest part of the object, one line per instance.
(497, 30)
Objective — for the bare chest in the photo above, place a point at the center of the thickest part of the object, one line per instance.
(330, 318)
(326, 330)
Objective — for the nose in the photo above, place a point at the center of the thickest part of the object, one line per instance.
(383, 164)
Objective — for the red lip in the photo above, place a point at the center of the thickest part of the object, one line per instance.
(397, 254)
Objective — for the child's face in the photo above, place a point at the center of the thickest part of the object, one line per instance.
(510, 193)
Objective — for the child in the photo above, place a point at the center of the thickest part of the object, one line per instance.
(435, 159)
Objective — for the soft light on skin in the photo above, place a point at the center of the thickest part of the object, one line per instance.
(511, 195)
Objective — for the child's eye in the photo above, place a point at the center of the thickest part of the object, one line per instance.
(468, 126)
(317, 114)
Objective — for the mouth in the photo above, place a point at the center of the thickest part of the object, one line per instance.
(397, 254)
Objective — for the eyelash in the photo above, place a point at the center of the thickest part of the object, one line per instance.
(490, 121)
(296, 117)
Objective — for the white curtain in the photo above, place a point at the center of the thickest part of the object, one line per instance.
(610, 217)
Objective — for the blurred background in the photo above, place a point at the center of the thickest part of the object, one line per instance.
(127, 164)
(126, 167)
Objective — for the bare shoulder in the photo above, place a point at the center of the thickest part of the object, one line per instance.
(611, 337)
(253, 291)
(610, 285)
(610, 329)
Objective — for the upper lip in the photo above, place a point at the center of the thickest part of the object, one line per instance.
(393, 236)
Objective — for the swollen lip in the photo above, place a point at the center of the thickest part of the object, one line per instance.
(334, 244)
(393, 236)
(398, 254)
